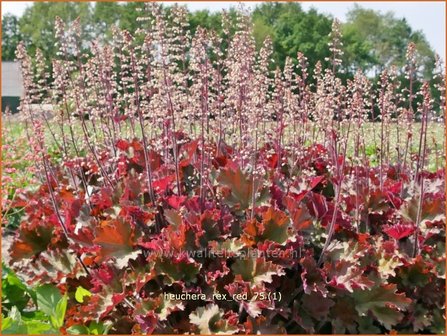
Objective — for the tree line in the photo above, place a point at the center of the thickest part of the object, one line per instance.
(371, 40)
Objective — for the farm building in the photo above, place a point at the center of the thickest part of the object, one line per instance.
(12, 86)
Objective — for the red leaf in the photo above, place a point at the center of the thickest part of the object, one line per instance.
(313, 277)
(33, 238)
(176, 201)
(273, 160)
(163, 183)
(176, 236)
(66, 195)
(219, 161)
(137, 145)
(238, 187)
(147, 322)
(101, 201)
(189, 151)
(137, 214)
(122, 144)
(115, 237)
(399, 231)
(346, 275)
(314, 181)
(317, 305)
(274, 227)
(300, 215)
(277, 195)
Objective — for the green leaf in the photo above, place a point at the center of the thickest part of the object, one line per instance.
(6, 323)
(81, 292)
(99, 328)
(39, 328)
(257, 270)
(210, 320)
(94, 328)
(239, 192)
(275, 224)
(14, 291)
(274, 227)
(387, 316)
(16, 324)
(316, 305)
(57, 318)
(47, 298)
(366, 326)
(78, 330)
(387, 265)
(36, 315)
(180, 270)
(438, 325)
(13, 324)
(16, 328)
(383, 302)
(52, 303)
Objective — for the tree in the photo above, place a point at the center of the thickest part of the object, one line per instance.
(388, 38)
(104, 16)
(371, 40)
(10, 36)
(129, 15)
(292, 29)
(37, 24)
(205, 19)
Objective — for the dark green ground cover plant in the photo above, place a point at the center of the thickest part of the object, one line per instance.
(164, 144)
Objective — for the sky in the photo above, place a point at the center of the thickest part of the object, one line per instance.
(427, 16)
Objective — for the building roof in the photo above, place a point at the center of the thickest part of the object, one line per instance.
(12, 85)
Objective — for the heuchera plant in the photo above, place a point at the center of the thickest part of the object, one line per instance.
(185, 164)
